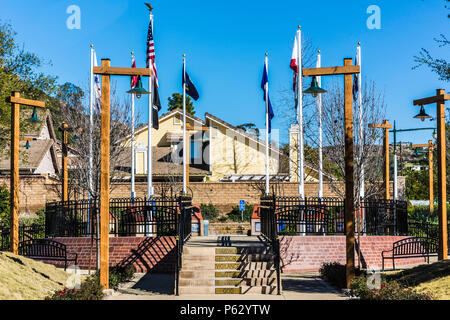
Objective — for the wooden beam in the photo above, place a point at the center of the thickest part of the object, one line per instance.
(442, 178)
(104, 178)
(380, 125)
(436, 99)
(119, 71)
(349, 183)
(331, 71)
(424, 145)
(26, 102)
(14, 187)
(193, 128)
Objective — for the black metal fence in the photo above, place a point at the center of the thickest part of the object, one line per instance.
(325, 216)
(25, 233)
(184, 231)
(157, 216)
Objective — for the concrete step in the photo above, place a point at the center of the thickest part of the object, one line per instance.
(244, 258)
(246, 282)
(259, 290)
(195, 274)
(197, 290)
(197, 266)
(198, 258)
(246, 274)
(245, 266)
(243, 250)
(207, 251)
(184, 282)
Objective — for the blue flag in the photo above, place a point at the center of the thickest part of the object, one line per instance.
(190, 88)
(265, 80)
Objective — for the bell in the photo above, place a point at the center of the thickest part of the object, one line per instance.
(314, 90)
(417, 151)
(138, 90)
(434, 134)
(422, 114)
(27, 145)
(34, 117)
(75, 138)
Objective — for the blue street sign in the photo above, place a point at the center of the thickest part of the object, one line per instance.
(241, 205)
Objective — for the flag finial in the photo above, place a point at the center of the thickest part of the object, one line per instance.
(150, 8)
(318, 51)
(299, 27)
(267, 54)
(359, 43)
(132, 52)
(92, 45)
(184, 55)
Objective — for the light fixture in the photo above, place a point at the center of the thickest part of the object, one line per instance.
(34, 117)
(314, 89)
(138, 90)
(435, 134)
(422, 114)
(27, 145)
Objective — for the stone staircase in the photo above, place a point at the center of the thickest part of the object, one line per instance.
(242, 266)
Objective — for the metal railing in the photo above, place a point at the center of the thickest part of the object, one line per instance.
(326, 216)
(127, 217)
(184, 228)
(270, 231)
(25, 233)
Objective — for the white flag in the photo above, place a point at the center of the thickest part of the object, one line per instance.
(97, 88)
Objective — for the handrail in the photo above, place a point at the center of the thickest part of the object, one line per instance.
(183, 234)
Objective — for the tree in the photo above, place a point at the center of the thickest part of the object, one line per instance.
(249, 127)
(176, 101)
(73, 113)
(437, 65)
(18, 72)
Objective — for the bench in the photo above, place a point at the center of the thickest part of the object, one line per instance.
(46, 249)
(410, 248)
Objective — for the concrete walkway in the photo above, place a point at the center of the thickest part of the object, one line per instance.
(304, 286)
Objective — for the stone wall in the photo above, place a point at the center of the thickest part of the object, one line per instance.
(217, 228)
(308, 253)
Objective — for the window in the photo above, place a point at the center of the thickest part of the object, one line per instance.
(176, 120)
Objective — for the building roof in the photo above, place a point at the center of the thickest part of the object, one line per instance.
(28, 159)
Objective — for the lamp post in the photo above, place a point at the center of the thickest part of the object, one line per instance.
(385, 126)
(347, 70)
(440, 99)
(106, 71)
(394, 131)
(16, 101)
(65, 129)
(430, 147)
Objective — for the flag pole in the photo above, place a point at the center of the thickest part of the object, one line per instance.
(319, 109)
(91, 123)
(266, 62)
(300, 170)
(149, 143)
(361, 126)
(184, 125)
(133, 191)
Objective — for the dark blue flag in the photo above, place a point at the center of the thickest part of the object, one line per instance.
(190, 88)
(263, 86)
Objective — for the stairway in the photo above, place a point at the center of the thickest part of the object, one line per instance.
(227, 265)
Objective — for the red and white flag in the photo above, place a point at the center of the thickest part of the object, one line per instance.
(151, 51)
(133, 78)
(294, 62)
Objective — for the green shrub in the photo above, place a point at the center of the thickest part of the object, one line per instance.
(90, 289)
(391, 290)
(235, 214)
(223, 218)
(209, 211)
(334, 274)
(118, 275)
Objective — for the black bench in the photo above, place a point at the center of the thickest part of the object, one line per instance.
(46, 249)
(410, 248)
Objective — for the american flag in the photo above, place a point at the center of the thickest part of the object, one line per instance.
(151, 51)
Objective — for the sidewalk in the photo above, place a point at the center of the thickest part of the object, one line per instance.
(302, 286)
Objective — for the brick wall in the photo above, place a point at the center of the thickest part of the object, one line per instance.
(307, 253)
(145, 253)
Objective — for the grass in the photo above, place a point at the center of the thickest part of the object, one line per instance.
(433, 277)
(25, 279)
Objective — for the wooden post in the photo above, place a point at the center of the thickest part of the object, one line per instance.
(104, 178)
(430, 174)
(386, 159)
(65, 176)
(14, 187)
(442, 176)
(349, 183)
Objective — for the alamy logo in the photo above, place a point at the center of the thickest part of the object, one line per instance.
(74, 280)
(374, 280)
(374, 20)
(74, 20)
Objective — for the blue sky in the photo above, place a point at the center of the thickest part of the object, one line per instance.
(225, 42)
